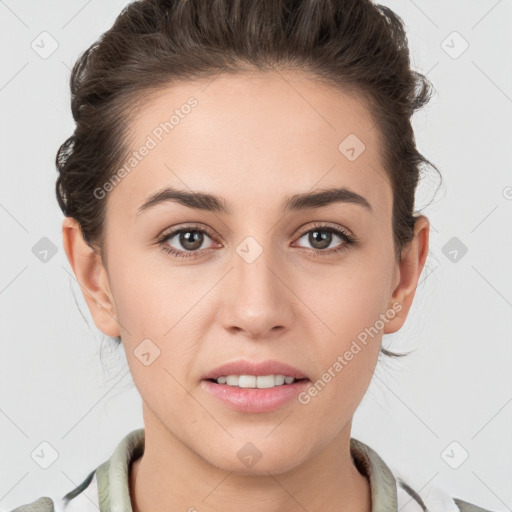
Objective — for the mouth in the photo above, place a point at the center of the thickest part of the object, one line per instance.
(248, 386)
(241, 371)
(256, 381)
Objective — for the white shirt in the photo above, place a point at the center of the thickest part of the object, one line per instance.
(106, 489)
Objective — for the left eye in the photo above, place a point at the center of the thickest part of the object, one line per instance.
(321, 237)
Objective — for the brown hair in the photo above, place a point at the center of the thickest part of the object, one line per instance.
(353, 45)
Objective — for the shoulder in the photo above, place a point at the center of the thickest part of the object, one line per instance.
(43, 504)
(97, 486)
(394, 491)
(465, 506)
(431, 499)
(74, 501)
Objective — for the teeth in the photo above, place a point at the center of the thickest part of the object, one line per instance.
(253, 381)
(232, 380)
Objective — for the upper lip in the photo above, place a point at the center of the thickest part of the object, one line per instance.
(245, 367)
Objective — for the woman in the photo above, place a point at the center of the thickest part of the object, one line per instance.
(239, 212)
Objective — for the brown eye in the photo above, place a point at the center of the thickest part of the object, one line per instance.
(321, 237)
(191, 240)
(188, 241)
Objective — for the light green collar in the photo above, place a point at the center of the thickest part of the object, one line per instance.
(113, 475)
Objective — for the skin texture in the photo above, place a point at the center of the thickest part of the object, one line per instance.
(254, 141)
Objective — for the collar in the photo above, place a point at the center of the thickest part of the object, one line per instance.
(113, 484)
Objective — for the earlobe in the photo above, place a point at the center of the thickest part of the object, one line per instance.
(91, 276)
(411, 265)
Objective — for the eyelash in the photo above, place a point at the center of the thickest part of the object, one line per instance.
(347, 238)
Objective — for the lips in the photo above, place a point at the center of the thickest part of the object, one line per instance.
(246, 367)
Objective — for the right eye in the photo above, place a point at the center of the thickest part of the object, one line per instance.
(190, 238)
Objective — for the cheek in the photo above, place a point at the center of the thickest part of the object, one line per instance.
(349, 298)
(346, 354)
(155, 308)
(349, 302)
(150, 297)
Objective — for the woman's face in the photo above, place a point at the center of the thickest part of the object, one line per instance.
(263, 281)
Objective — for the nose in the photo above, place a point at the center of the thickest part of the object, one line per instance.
(256, 298)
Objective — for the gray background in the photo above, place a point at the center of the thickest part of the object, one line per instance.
(450, 398)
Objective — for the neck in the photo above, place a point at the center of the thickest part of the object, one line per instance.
(170, 477)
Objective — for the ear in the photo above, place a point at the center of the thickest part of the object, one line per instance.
(91, 276)
(409, 269)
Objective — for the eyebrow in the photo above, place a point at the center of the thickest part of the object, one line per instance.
(213, 203)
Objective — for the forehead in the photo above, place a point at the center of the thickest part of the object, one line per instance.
(253, 137)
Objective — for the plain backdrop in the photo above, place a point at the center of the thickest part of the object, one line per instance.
(441, 416)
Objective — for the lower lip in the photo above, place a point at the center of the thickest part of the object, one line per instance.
(255, 399)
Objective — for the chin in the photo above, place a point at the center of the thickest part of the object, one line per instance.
(258, 455)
